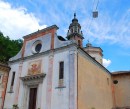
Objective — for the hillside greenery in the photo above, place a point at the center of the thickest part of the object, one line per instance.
(8, 47)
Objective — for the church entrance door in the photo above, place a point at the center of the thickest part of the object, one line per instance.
(32, 98)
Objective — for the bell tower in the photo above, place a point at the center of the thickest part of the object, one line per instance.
(74, 32)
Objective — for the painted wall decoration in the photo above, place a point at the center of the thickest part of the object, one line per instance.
(34, 67)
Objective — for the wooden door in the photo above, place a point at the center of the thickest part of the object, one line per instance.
(32, 98)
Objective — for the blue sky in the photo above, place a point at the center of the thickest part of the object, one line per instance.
(110, 31)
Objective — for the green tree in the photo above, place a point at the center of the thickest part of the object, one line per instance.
(8, 47)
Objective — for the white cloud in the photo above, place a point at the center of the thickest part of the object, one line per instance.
(17, 22)
(107, 29)
(106, 62)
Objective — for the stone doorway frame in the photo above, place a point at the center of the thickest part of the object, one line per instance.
(31, 81)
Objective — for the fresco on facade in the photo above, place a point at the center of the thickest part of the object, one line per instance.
(34, 67)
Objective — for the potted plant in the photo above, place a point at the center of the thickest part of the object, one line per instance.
(15, 106)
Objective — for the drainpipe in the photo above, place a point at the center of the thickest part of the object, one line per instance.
(77, 80)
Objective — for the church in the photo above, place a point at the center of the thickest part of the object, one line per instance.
(51, 72)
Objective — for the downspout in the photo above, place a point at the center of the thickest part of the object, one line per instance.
(113, 95)
(77, 80)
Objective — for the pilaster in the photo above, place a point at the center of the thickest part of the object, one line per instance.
(49, 81)
(18, 83)
(72, 79)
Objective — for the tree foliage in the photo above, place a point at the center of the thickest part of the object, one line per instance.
(8, 47)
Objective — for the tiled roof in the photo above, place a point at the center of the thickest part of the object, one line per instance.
(120, 72)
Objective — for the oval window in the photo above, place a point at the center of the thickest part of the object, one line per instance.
(38, 47)
(115, 81)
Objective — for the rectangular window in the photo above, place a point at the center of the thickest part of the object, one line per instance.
(12, 81)
(61, 70)
(13, 77)
(1, 78)
(108, 81)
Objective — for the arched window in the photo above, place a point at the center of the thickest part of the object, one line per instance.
(78, 30)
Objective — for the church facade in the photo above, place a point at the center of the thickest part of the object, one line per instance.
(51, 72)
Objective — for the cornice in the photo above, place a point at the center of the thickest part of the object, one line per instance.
(43, 53)
(40, 31)
(75, 34)
(31, 80)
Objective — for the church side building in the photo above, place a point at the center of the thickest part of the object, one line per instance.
(4, 72)
(121, 83)
(51, 72)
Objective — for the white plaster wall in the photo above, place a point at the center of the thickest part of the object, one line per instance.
(44, 84)
(41, 91)
(26, 62)
(41, 95)
(60, 96)
(9, 98)
(22, 97)
(24, 90)
(58, 43)
(46, 43)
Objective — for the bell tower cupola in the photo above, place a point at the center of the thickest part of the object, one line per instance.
(74, 32)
